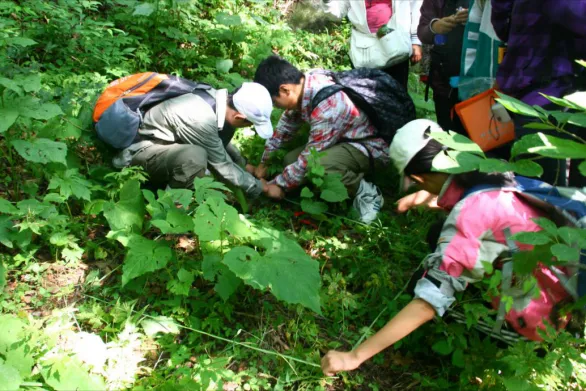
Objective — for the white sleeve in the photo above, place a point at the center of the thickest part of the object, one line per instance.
(415, 16)
(338, 8)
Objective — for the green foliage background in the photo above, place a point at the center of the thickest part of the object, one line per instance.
(175, 289)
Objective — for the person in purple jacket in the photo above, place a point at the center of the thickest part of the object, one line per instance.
(544, 38)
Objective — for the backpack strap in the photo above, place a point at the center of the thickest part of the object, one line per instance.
(325, 93)
(202, 93)
(328, 91)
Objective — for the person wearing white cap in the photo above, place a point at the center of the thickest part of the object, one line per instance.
(182, 137)
(476, 232)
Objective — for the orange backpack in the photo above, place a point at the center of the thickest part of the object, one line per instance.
(119, 110)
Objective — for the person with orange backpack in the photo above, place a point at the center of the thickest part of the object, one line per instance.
(176, 128)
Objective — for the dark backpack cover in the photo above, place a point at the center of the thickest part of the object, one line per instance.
(386, 103)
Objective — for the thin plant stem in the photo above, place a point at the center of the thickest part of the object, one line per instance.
(265, 351)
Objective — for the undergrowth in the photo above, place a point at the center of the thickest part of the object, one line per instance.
(109, 284)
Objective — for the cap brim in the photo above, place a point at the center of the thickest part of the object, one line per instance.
(264, 130)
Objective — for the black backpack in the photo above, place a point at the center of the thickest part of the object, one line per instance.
(386, 103)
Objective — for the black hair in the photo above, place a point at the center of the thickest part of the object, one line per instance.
(274, 71)
(421, 163)
(230, 101)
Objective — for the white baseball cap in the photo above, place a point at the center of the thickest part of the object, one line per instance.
(408, 141)
(254, 102)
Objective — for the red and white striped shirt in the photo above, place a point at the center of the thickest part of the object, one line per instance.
(334, 120)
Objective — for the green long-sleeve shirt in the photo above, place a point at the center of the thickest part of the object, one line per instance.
(188, 119)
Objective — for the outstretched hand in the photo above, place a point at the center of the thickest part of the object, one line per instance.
(420, 198)
(334, 362)
(272, 190)
(259, 172)
(250, 169)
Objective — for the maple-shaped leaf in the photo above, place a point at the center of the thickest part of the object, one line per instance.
(144, 256)
(176, 222)
(214, 219)
(71, 183)
(41, 150)
(284, 268)
(128, 213)
(182, 284)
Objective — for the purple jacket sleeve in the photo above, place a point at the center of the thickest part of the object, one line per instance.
(569, 14)
(430, 9)
(501, 17)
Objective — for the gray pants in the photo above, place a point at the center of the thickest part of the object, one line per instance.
(176, 165)
(342, 159)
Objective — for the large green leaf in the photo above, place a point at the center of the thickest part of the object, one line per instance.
(128, 213)
(11, 331)
(284, 269)
(9, 377)
(21, 359)
(228, 20)
(71, 183)
(456, 142)
(6, 231)
(159, 324)
(207, 187)
(30, 83)
(7, 207)
(41, 150)
(313, 207)
(21, 41)
(33, 108)
(456, 162)
(527, 168)
(573, 236)
(11, 85)
(565, 253)
(177, 222)
(494, 165)
(181, 285)
(67, 373)
(531, 237)
(59, 128)
(333, 190)
(227, 283)
(443, 347)
(555, 147)
(144, 9)
(144, 256)
(8, 116)
(224, 66)
(214, 219)
(516, 106)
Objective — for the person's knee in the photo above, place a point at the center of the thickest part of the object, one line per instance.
(189, 163)
(331, 162)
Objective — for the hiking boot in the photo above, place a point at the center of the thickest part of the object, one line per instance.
(368, 201)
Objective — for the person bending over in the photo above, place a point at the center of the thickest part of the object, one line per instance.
(181, 137)
(337, 126)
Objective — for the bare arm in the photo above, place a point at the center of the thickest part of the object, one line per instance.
(410, 318)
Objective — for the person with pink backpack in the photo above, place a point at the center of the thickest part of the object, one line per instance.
(485, 211)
